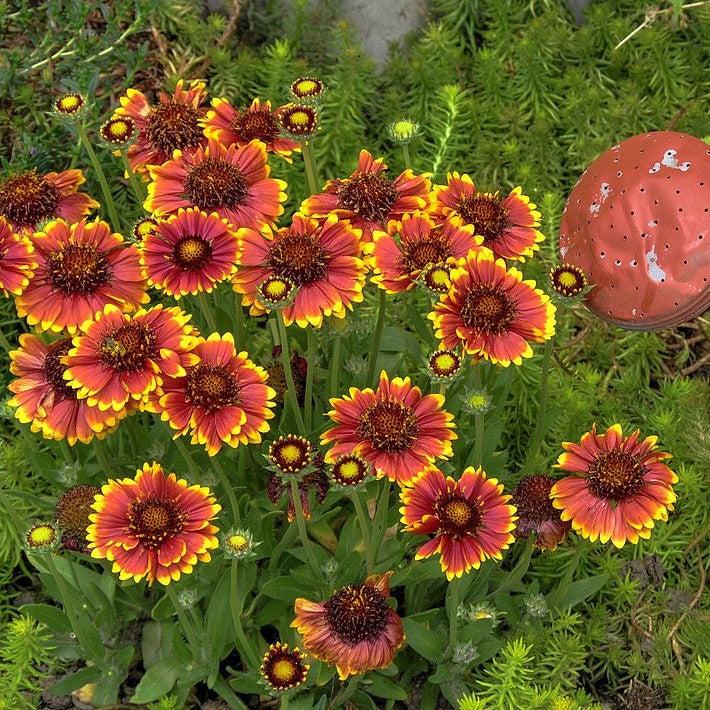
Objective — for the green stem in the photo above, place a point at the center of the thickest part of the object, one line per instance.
(342, 697)
(310, 166)
(184, 623)
(252, 662)
(303, 533)
(187, 457)
(453, 613)
(366, 530)
(478, 420)
(101, 177)
(310, 359)
(238, 321)
(206, 312)
(376, 339)
(536, 438)
(228, 489)
(221, 687)
(380, 525)
(288, 374)
(334, 368)
(132, 179)
(407, 157)
(5, 343)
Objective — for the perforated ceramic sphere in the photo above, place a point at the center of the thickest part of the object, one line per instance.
(638, 224)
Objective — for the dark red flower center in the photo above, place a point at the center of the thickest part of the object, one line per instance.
(174, 125)
(27, 198)
(53, 369)
(291, 453)
(153, 520)
(215, 183)
(357, 613)
(127, 348)
(390, 425)
(73, 510)
(211, 387)
(568, 280)
(299, 120)
(298, 257)
(532, 499)
(486, 213)
(78, 269)
(615, 475)
(282, 668)
(427, 251)
(259, 123)
(487, 309)
(457, 515)
(191, 252)
(368, 195)
(349, 470)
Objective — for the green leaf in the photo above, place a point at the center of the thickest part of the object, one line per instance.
(51, 616)
(157, 681)
(115, 670)
(247, 683)
(285, 588)
(157, 642)
(218, 619)
(71, 682)
(577, 592)
(384, 688)
(424, 641)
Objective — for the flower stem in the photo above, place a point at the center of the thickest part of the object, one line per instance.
(100, 176)
(407, 157)
(238, 321)
(308, 398)
(334, 368)
(454, 591)
(185, 453)
(246, 648)
(536, 438)
(206, 312)
(310, 166)
(184, 623)
(380, 525)
(366, 529)
(221, 687)
(132, 179)
(288, 374)
(342, 697)
(376, 339)
(228, 489)
(478, 420)
(303, 533)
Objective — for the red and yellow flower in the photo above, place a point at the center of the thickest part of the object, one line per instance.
(396, 428)
(355, 630)
(81, 268)
(536, 514)
(234, 182)
(222, 399)
(492, 312)
(17, 260)
(508, 225)
(283, 668)
(174, 123)
(153, 526)
(320, 257)
(191, 251)
(471, 519)
(28, 198)
(119, 358)
(619, 487)
(369, 198)
(43, 398)
(399, 256)
(230, 125)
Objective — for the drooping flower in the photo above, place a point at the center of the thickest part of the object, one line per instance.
(619, 486)
(153, 526)
(568, 280)
(471, 519)
(28, 198)
(17, 260)
(314, 480)
(81, 268)
(396, 428)
(43, 398)
(492, 312)
(69, 104)
(234, 182)
(355, 630)
(174, 123)
(536, 514)
(369, 198)
(189, 252)
(118, 130)
(222, 399)
(291, 453)
(72, 513)
(230, 125)
(119, 358)
(283, 668)
(399, 256)
(508, 225)
(322, 259)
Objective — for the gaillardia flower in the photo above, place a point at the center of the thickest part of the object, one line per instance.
(307, 88)
(27, 198)
(369, 198)
(399, 256)
(508, 225)
(322, 259)
(189, 252)
(174, 123)
(143, 227)
(234, 182)
(118, 130)
(444, 365)
(283, 668)
(536, 514)
(43, 398)
(492, 312)
(222, 399)
(230, 125)
(291, 453)
(81, 268)
(355, 630)
(42, 537)
(619, 486)
(72, 513)
(470, 519)
(153, 526)
(396, 428)
(17, 262)
(349, 470)
(69, 104)
(299, 120)
(117, 358)
(568, 280)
